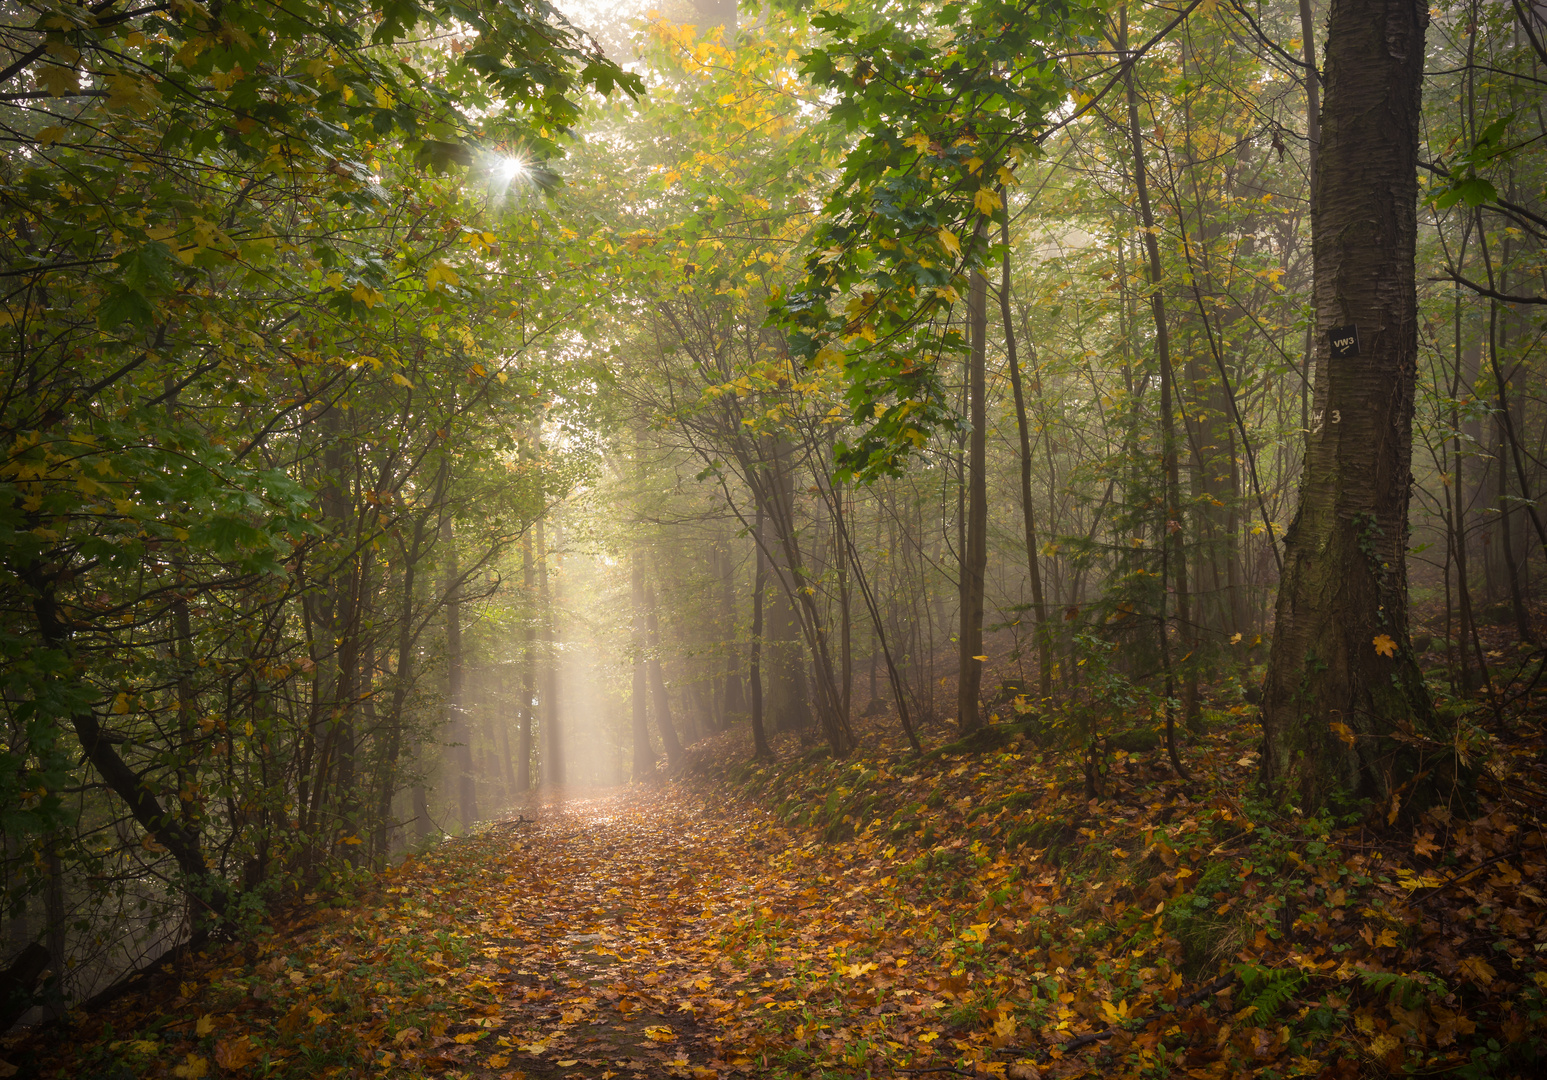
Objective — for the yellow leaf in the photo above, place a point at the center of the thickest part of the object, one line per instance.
(192, 1069)
(1342, 731)
(1478, 970)
(948, 241)
(568, 1062)
(660, 1033)
(981, 659)
(919, 141)
(498, 1061)
(469, 1037)
(205, 1025)
(59, 81)
(1384, 645)
(401, 381)
(977, 932)
(929, 1036)
(987, 200)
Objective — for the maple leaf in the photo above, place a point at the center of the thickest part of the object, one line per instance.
(1425, 845)
(1384, 645)
(1478, 970)
(1342, 731)
(234, 1054)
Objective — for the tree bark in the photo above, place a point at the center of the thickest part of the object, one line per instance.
(755, 661)
(1028, 511)
(644, 753)
(1333, 699)
(974, 561)
(552, 735)
(456, 708)
(528, 664)
(1173, 526)
(673, 745)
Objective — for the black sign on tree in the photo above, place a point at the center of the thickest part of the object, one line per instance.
(1344, 341)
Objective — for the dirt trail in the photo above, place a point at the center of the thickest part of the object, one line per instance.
(600, 937)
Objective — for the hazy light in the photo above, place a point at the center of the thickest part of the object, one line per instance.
(511, 169)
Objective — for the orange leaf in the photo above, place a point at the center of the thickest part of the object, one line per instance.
(1384, 645)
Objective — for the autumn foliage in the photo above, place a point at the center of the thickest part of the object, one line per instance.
(972, 911)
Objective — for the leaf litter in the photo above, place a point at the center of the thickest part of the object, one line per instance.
(974, 911)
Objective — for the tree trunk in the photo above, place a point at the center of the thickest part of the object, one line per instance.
(552, 735)
(1028, 511)
(732, 701)
(528, 664)
(673, 745)
(974, 561)
(1333, 696)
(755, 661)
(1173, 532)
(460, 730)
(644, 753)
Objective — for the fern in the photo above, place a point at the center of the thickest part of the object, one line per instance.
(1405, 990)
(1267, 989)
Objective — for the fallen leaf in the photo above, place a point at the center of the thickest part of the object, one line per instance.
(192, 1069)
(1478, 970)
(233, 1054)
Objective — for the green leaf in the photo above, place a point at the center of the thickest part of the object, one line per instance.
(123, 304)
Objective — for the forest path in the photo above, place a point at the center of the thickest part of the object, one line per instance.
(599, 922)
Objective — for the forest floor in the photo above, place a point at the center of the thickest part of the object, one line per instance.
(972, 911)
